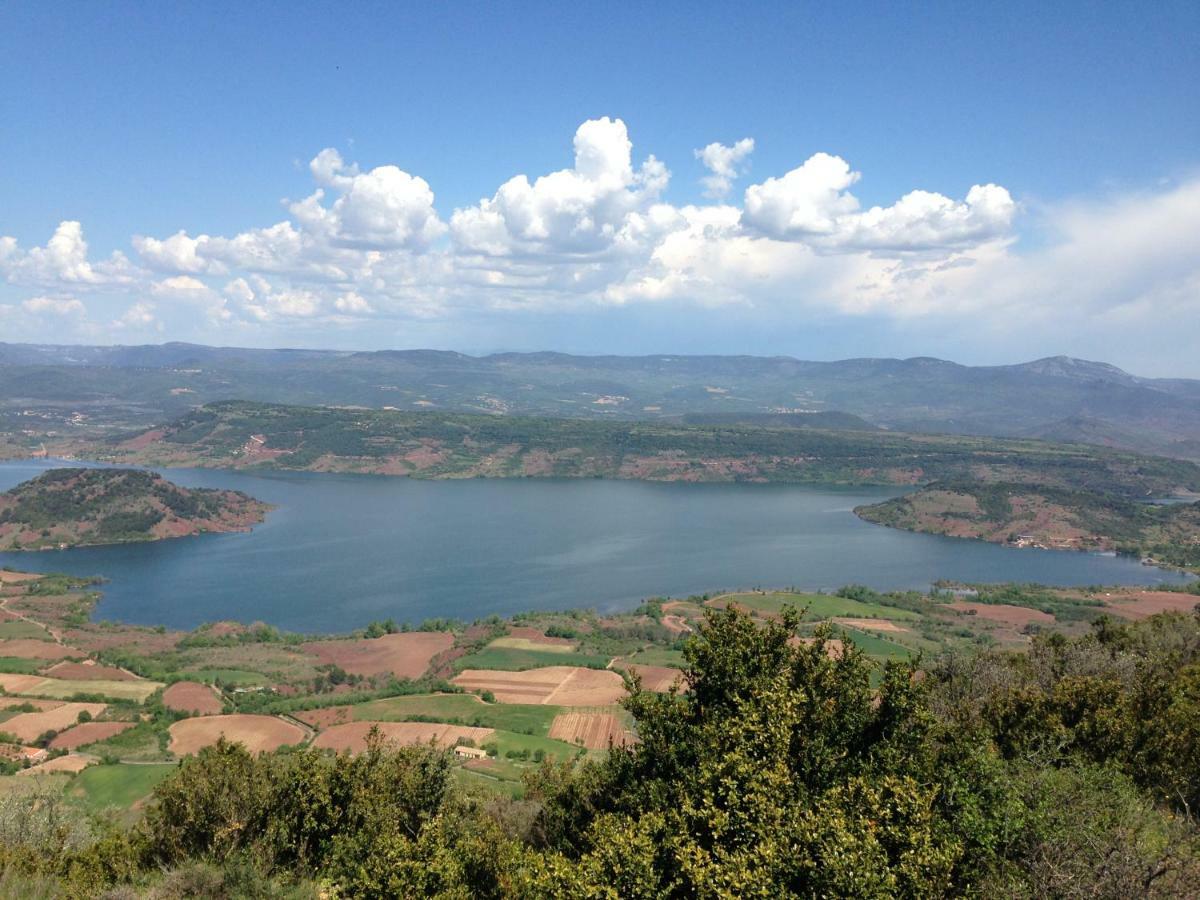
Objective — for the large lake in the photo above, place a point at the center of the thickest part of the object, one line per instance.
(341, 550)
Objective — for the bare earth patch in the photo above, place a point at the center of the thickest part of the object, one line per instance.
(258, 733)
(403, 655)
(874, 625)
(31, 648)
(654, 678)
(30, 726)
(72, 763)
(591, 730)
(192, 697)
(535, 635)
(676, 625)
(143, 641)
(352, 736)
(326, 717)
(19, 684)
(552, 685)
(88, 671)
(17, 577)
(10, 702)
(87, 733)
(1143, 604)
(1016, 616)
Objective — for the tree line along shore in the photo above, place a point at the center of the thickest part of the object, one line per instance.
(1022, 492)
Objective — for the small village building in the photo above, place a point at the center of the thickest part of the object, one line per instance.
(20, 753)
(470, 752)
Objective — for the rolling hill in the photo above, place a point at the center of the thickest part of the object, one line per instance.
(82, 507)
(69, 388)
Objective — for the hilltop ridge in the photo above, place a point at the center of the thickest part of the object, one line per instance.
(66, 388)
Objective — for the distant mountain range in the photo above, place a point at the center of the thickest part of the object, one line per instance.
(1060, 398)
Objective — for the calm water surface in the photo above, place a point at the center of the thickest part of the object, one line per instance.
(341, 550)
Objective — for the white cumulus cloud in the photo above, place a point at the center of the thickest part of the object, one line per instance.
(178, 253)
(813, 204)
(582, 210)
(370, 245)
(725, 164)
(63, 260)
(380, 209)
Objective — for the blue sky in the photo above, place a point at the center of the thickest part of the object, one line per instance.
(141, 121)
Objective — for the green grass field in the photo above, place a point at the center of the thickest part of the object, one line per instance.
(502, 780)
(466, 709)
(505, 770)
(140, 743)
(875, 647)
(519, 643)
(236, 677)
(19, 666)
(656, 656)
(119, 786)
(514, 659)
(511, 740)
(16, 629)
(820, 606)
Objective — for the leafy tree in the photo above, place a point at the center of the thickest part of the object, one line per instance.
(779, 771)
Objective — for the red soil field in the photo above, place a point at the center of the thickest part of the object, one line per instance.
(403, 655)
(10, 702)
(29, 726)
(258, 733)
(655, 678)
(142, 441)
(19, 684)
(327, 717)
(87, 733)
(17, 577)
(136, 640)
(1142, 604)
(552, 685)
(88, 672)
(352, 736)
(873, 625)
(591, 730)
(28, 648)
(192, 697)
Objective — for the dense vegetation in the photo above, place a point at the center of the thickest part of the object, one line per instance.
(1073, 770)
(450, 445)
(75, 506)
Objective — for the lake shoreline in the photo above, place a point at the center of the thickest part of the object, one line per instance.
(342, 551)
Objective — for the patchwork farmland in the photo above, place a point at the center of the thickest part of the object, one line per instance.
(546, 687)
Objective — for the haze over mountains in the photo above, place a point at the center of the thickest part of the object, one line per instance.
(1059, 398)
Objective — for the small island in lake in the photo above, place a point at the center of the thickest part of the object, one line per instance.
(77, 507)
